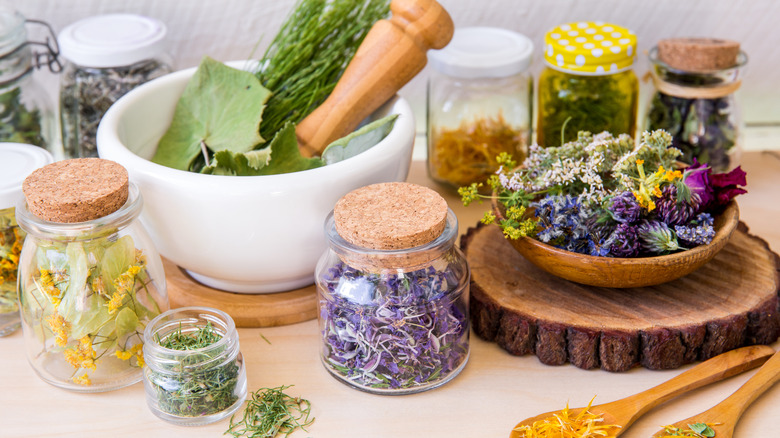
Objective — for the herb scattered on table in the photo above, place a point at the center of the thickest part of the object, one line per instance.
(699, 430)
(270, 412)
(584, 424)
(11, 240)
(599, 195)
(192, 385)
(393, 330)
(18, 123)
(86, 95)
(88, 302)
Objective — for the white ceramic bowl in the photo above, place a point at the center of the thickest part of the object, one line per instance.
(251, 234)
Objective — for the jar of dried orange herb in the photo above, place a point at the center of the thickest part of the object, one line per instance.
(479, 104)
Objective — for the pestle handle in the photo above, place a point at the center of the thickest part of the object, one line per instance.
(392, 53)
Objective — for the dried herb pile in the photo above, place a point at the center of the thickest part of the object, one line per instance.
(394, 330)
(18, 123)
(270, 412)
(697, 430)
(566, 423)
(197, 384)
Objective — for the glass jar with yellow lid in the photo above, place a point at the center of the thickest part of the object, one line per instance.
(588, 83)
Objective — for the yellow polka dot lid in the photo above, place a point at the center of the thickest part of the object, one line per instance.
(588, 47)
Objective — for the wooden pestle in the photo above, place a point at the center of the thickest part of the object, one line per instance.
(392, 53)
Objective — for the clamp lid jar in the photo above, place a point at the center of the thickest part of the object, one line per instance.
(393, 291)
(588, 83)
(479, 104)
(16, 162)
(90, 279)
(108, 55)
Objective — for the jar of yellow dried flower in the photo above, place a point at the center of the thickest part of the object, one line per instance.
(90, 277)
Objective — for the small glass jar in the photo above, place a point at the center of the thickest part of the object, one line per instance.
(188, 382)
(700, 109)
(26, 113)
(108, 55)
(392, 321)
(587, 84)
(16, 162)
(87, 289)
(479, 104)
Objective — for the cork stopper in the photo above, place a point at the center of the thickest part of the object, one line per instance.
(76, 190)
(698, 54)
(390, 216)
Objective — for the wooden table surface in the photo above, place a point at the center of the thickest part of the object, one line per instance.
(493, 393)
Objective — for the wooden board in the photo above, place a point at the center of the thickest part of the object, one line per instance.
(247, 310)
(729, 302)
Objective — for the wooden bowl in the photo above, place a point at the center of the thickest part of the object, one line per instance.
(625, 272)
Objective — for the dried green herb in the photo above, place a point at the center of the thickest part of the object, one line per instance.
(195, 386)
(270, 413)
(307, 57)
(698, 430)
(701, 128)
(583, 103)
(18, 123)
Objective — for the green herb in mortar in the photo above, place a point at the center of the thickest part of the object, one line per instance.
(200, 383)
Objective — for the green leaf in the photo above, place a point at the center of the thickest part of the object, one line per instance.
(126, 322)
(702, 428)
(285, 156)
(359, 141)
(244, 164)
(117, 258)
(74, 298)
(221, 109)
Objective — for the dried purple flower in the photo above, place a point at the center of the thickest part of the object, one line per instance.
(625, 241)
(394, 330)
(697, 178)
(673, 210)
(699, 231)
(655, 237)
(624, 208)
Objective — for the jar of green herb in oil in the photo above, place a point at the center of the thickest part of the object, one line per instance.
(587, 84)
(107, 56)
(393, 291)
(16, 162)
(195, 372)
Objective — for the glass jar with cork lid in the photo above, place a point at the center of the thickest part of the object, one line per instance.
(695, 98)
(107, 56)
(588, 83)
(90, 279)
(479, 104)
(393, 291)
(16, 162)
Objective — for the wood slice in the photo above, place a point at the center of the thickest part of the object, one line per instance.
(729, 302)
(247, 310)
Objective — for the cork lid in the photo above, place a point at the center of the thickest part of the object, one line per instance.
(390, 216)
(76, 190)
(698, 54)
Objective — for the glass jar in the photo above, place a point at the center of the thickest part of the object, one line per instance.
(479, 104)
(16, 162)
(87, 289)
(194, 372)
(26, 113)
(700, 109)
(108, 55)
(587, 84)
(392, 321)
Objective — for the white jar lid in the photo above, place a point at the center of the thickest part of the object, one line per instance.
(17, 161)
(483, 52)
(112, 40)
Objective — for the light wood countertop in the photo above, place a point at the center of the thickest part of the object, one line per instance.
(493, 393)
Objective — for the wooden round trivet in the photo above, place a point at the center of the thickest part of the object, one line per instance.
(729, 302)
(247, 310)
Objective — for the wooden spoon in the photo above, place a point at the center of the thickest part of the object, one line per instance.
(726, 413)
(392, 53)
(625, 411)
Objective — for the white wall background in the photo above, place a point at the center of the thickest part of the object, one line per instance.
(232, 29)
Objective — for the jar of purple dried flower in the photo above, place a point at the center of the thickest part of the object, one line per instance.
(393, 291)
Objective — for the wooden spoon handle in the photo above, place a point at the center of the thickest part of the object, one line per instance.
(718, 368)
(392, 53)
